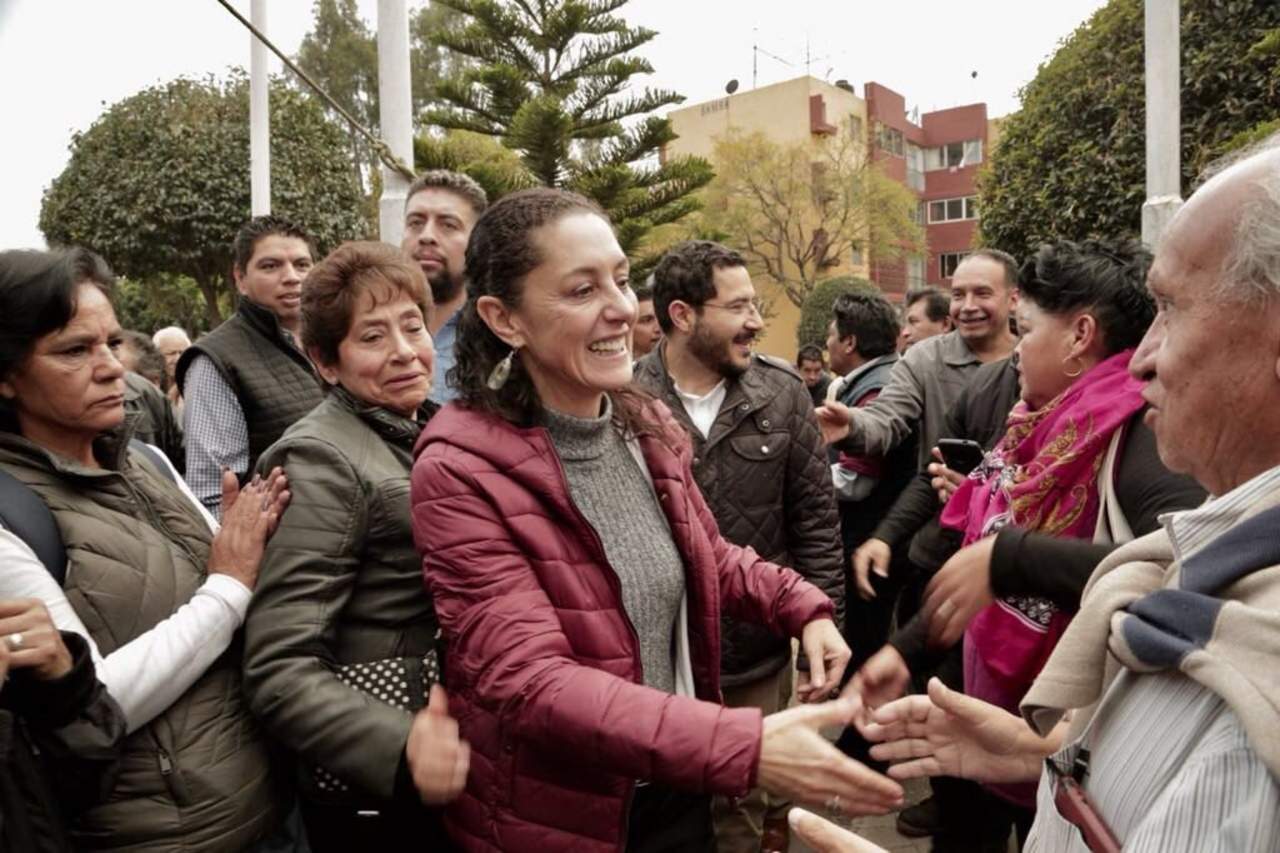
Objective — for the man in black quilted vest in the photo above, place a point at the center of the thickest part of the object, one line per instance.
(248, 380)
(761, 464)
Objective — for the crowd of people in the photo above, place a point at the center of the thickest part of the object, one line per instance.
(476, 542)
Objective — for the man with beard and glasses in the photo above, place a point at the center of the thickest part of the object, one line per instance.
(759, 460)
(439, 213)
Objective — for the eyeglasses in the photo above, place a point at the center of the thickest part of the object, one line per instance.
(740, 307)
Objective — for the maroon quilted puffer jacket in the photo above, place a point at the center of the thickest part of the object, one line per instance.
(543, 666)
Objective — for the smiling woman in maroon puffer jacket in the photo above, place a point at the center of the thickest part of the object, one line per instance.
(579, 577)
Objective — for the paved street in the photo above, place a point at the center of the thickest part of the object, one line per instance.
(881, 829)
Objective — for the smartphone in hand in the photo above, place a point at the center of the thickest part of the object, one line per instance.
(961, 455)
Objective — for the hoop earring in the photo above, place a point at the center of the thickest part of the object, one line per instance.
(501, 372)
(1068, 373)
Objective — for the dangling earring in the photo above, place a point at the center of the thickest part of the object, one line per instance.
(501, 372)
(1068, 373)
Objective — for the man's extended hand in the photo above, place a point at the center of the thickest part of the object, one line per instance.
(835, 420)
(949, 734)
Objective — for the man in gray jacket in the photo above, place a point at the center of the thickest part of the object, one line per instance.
(759, 460)
(923, 386)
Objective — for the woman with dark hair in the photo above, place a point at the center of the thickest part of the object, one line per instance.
(340, 603)
(579, 576)
(1075, 475)
(156, 588)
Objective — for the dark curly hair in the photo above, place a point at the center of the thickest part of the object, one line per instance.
(1106, 277)
(501, 252)
(685, 273)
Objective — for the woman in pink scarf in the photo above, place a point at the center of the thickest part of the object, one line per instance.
(1058, 470)
(1075, 474)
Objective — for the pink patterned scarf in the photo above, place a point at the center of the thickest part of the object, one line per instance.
(1041, 476)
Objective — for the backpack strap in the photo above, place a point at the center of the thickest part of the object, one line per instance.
(23, 513)
(154, 457)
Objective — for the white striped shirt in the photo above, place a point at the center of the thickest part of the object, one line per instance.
(1171, 768)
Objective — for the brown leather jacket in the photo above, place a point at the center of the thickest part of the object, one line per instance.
(763, 470)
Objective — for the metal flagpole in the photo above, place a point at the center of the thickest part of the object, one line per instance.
(259, 116)
(1164, 121)
(395, 108)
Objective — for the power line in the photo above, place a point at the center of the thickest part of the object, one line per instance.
(377, 143)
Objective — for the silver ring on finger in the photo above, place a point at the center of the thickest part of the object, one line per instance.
(833, 804)
(14, 641)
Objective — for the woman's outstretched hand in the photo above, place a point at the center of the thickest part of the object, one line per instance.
(798, 763)
(959, 592)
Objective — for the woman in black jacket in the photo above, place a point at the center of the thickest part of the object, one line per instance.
(340, 639)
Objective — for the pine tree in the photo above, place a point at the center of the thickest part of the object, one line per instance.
(551, 80)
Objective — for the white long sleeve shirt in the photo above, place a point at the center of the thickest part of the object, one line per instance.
(148, 674)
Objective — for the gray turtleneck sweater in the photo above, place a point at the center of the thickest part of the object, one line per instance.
(607, 485)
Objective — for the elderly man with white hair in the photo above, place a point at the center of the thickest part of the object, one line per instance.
(1155, 725)
(172, 341)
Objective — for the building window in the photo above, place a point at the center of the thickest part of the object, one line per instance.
(953, 209)
(889, 139)
(915, 167)
(953, 155)
(920, 216)
(855, 129)
(948, 261)
(855, 255)
(915, 272)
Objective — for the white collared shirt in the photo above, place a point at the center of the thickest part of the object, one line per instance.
(703, 410)
(1192, 529)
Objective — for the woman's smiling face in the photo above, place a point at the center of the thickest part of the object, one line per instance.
(575, 315)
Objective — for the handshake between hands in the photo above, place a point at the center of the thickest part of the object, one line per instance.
(943, 733)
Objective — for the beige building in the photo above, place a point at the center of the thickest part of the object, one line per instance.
(801, 110)
(936, 155)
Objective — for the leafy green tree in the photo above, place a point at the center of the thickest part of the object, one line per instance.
(551, 80)
(799, 210)
(162, 300)
(340, 53)
(1071, 162)
(816, 313)
(159, 183)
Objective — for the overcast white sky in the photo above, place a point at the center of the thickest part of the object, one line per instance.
(62, 62)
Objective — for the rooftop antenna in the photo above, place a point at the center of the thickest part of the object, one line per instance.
(756, 50)
(809, 59)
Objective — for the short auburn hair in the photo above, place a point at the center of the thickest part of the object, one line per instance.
(333, 286)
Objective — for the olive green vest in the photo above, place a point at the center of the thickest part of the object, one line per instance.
(273, 381)
(197, 777)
